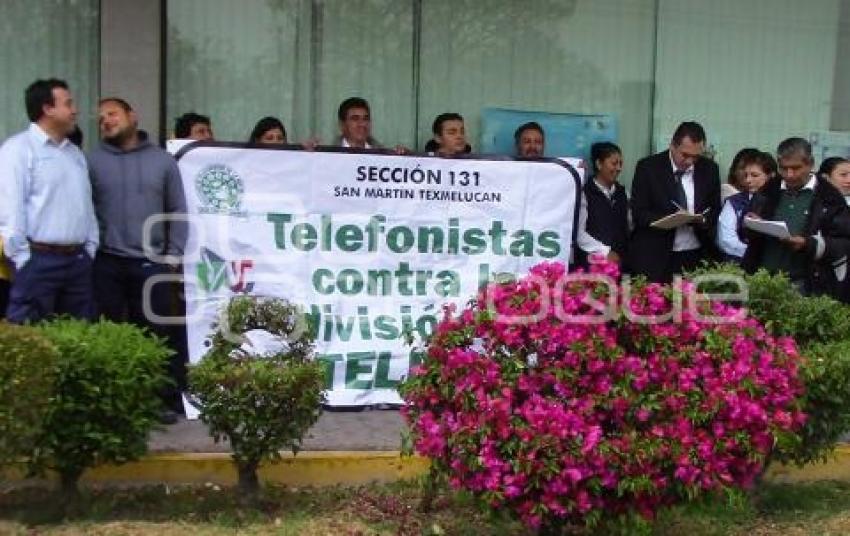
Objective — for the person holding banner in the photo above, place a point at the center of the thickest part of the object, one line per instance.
(47, 220)
(449, 135)
(530, 140)
(679, 179)
(268, 131)
(192, 126)
(136, 187)
(355, 127)
(355, 124)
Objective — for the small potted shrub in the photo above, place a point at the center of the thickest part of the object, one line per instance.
(258, 385)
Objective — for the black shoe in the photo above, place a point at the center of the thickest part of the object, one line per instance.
(168, 417)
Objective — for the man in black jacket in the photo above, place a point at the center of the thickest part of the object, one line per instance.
(664, 183)
(816, 216)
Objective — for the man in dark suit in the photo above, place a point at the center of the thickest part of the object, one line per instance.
(678, 178)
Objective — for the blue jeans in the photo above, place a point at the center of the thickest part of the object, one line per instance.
(52, 284)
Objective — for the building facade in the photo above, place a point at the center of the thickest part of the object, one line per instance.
(752, 71)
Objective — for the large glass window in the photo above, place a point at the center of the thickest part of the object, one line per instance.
(539, 55)
(752, 71)
(294, 59)
(45, 39)
(365, 49)
(233, 61)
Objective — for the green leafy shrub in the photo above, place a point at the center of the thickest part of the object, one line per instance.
(827, 402)
(262, 403)
(27, 376)
(107, 396)
(820, 326)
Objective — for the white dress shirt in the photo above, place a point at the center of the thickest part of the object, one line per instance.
(686, 239)
(585, 240)
(346, 144)
(727, 232)
(45, 195)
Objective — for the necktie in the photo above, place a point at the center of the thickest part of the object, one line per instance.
(679, 191)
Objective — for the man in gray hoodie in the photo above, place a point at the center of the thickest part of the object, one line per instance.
(133, 180)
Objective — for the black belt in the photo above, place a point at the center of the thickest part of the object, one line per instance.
(59, 249)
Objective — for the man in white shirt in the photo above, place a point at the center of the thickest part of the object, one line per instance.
(355, 127)
(47, 218)
(355, 124)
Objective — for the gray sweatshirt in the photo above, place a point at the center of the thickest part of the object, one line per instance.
(130, 186)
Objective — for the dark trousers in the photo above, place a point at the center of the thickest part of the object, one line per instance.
(4, 296)
(52, 284)
(685, 261)
(119, 292)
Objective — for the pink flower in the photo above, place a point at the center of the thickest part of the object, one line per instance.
(671, 403)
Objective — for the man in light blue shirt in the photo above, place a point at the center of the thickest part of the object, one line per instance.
(47, 218)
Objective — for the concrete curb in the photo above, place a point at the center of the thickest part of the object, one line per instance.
(837, 467)
(339, 468)
(316, 468)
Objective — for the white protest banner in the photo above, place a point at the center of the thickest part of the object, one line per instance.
(370, 245)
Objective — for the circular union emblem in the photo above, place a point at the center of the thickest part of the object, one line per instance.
(220, 189)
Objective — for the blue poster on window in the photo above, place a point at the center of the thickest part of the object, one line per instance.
(566, 134)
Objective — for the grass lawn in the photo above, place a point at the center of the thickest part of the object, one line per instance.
(820, 508)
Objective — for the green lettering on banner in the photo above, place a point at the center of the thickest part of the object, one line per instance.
(279, 221)
(349, 282)
(523, 246)
(318, 277)
(416, 357)
(386, 328)
(304, 236)
(483, 275)
(329, 361)
(349, 238)
(382, 372)
(474, 241)
(448, 284)
(497, 232)
(358, 363)
(400, 239)
(550, 245)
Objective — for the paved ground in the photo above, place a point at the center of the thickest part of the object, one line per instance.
(337, 430)
(364, 430)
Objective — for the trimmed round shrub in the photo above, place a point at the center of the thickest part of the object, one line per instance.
(827, 403)
(262, 401)
(569, 416)
(106, 400)
(27, 378)
(820, 326)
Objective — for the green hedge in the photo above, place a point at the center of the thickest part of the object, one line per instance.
(27, 381)
(106, 402)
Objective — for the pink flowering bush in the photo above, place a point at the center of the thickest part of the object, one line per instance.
(569, 416)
